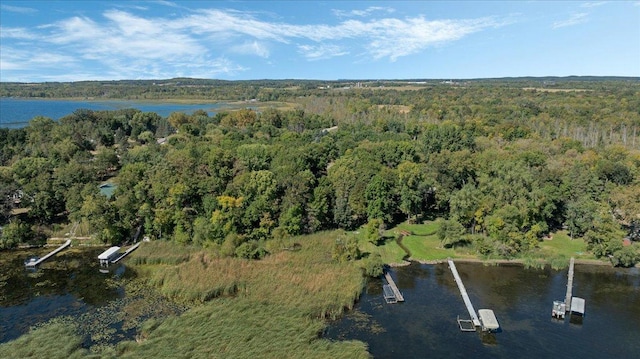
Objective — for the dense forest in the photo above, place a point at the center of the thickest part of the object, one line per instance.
(503, 163)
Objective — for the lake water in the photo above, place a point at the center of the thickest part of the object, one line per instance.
(16, 113)
(425, 326)
(70, 286)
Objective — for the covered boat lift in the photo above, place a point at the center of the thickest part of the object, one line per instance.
(488, 320)
(108, 256)
(577, 306)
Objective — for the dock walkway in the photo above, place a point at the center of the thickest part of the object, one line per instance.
(465, 296)
(32, 264)
(394, 288)
(567, 298)
(131, 249)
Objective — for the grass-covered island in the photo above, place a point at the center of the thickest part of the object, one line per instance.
(265, 223)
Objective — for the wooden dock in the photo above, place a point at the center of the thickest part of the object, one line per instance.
(567, 298)
(131, 249)
(398, 296)
(465, 296)
(33, 264)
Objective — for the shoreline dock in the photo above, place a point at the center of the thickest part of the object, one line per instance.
(567, 298)
(131, 249)
(32, 264)
(465, 296)
(392, 285)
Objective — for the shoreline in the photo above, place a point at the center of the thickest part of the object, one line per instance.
(408, 262)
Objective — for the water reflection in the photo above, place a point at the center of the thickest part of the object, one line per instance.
(425, 324)
(66, 284)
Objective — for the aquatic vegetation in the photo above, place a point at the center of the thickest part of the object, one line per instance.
(57, 339)
(274, 307)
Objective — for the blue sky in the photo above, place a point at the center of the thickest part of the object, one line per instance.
(238, 40)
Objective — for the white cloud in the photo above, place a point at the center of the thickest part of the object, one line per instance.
(17, 33)
(18, 9)
(122, 44)
(592, 4)
(319, 52)
(14, 59)
(362, 13)
(575, 19)
(251, 48)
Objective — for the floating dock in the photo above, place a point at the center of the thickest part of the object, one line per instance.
(34, 263)
(391, 292)
(465, 296)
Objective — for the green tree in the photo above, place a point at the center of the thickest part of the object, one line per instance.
(373, 230)
(345, 249)
(451, 233)
(380, 195)
(14, 233)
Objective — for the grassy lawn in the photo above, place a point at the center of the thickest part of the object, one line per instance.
(563, 246)
(424, 245)
(427, 248)
(390, 251)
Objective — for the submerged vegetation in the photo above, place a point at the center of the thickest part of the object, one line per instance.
(268, 218)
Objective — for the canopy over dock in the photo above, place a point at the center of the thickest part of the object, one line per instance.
(107, 256)
(577, 305)
(488, 320)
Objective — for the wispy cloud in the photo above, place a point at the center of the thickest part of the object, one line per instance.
(124, 44)
(575, 19)
(18, 9)
(320, 52)
(15, 59)
(592, 4)
(363, 13)
(251, 48)
(17, 33)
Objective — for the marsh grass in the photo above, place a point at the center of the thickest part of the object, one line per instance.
(240, 328)
(57, 339)
(161, 252)
(270, 308)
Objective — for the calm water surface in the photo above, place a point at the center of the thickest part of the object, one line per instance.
(70, 285)
(425, 324)
(16, 113)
